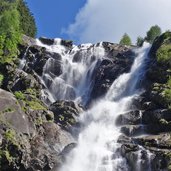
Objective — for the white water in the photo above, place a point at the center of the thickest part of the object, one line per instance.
(97, 148)
(75, 80)
(23, 60)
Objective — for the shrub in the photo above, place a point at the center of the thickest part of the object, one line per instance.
(154, 32)
(164, 54)
(125, 40)
(140, 41)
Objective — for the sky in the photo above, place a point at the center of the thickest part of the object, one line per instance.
(93, 21)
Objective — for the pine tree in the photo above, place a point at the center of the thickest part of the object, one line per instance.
(27, 21)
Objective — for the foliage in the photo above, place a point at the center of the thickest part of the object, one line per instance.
(140, 41)
(154, 32)
(27, 21)
(1, 79)
(32, 102)
(125, 40)
(15, 19)
(9, 31)
(19, 95)
(164, 54)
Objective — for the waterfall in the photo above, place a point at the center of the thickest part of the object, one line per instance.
(98, 149)
(77, 65)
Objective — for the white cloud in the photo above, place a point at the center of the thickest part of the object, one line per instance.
(108, 20)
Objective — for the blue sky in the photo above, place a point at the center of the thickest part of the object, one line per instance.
(54, 15)
(92, 21)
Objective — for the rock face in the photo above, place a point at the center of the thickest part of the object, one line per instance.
(152, 115)
(66, 113)
(45, 136)
(119, 61)
(28, 139)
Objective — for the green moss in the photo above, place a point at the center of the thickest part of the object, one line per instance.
(30, 100)
(10, 135)
(19, 95)
(35, 105)
(167, 96)
(6, 154)
(9, 109)
(31, 91)
(1, 79)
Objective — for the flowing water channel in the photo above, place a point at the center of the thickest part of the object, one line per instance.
(97, 149)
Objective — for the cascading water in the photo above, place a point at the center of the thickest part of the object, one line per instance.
(97, 148)
(74, 81)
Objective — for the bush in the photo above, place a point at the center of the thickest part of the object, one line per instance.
(1, 79)
(126, 40)
(154, 32)
(140, 41)
(164, 54)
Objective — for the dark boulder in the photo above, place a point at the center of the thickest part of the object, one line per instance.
(130, 118)
(47, 41)
(66, 112)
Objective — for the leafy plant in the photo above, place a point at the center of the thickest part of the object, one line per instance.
(1, 79)
(125, 40)
(153, 33)
(164, 54)
(140, 41)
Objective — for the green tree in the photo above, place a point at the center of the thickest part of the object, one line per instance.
(27, 21)
(15, 19)
(154, 32)
(140, 41)
(125, 40)
(9, 31)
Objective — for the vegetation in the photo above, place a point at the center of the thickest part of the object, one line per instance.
(27, 21)
(9, 31)
(29, 99)
(154, 32)
(14, 17)
(125, 40)
(140, 41)
(1, 79)
(164, 54)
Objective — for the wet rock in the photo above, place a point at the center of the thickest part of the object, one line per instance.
(67, 43)
(130, 118)
(133, 130)
(66, 112)
(156, 116)
(46, 41)
(107, 72)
